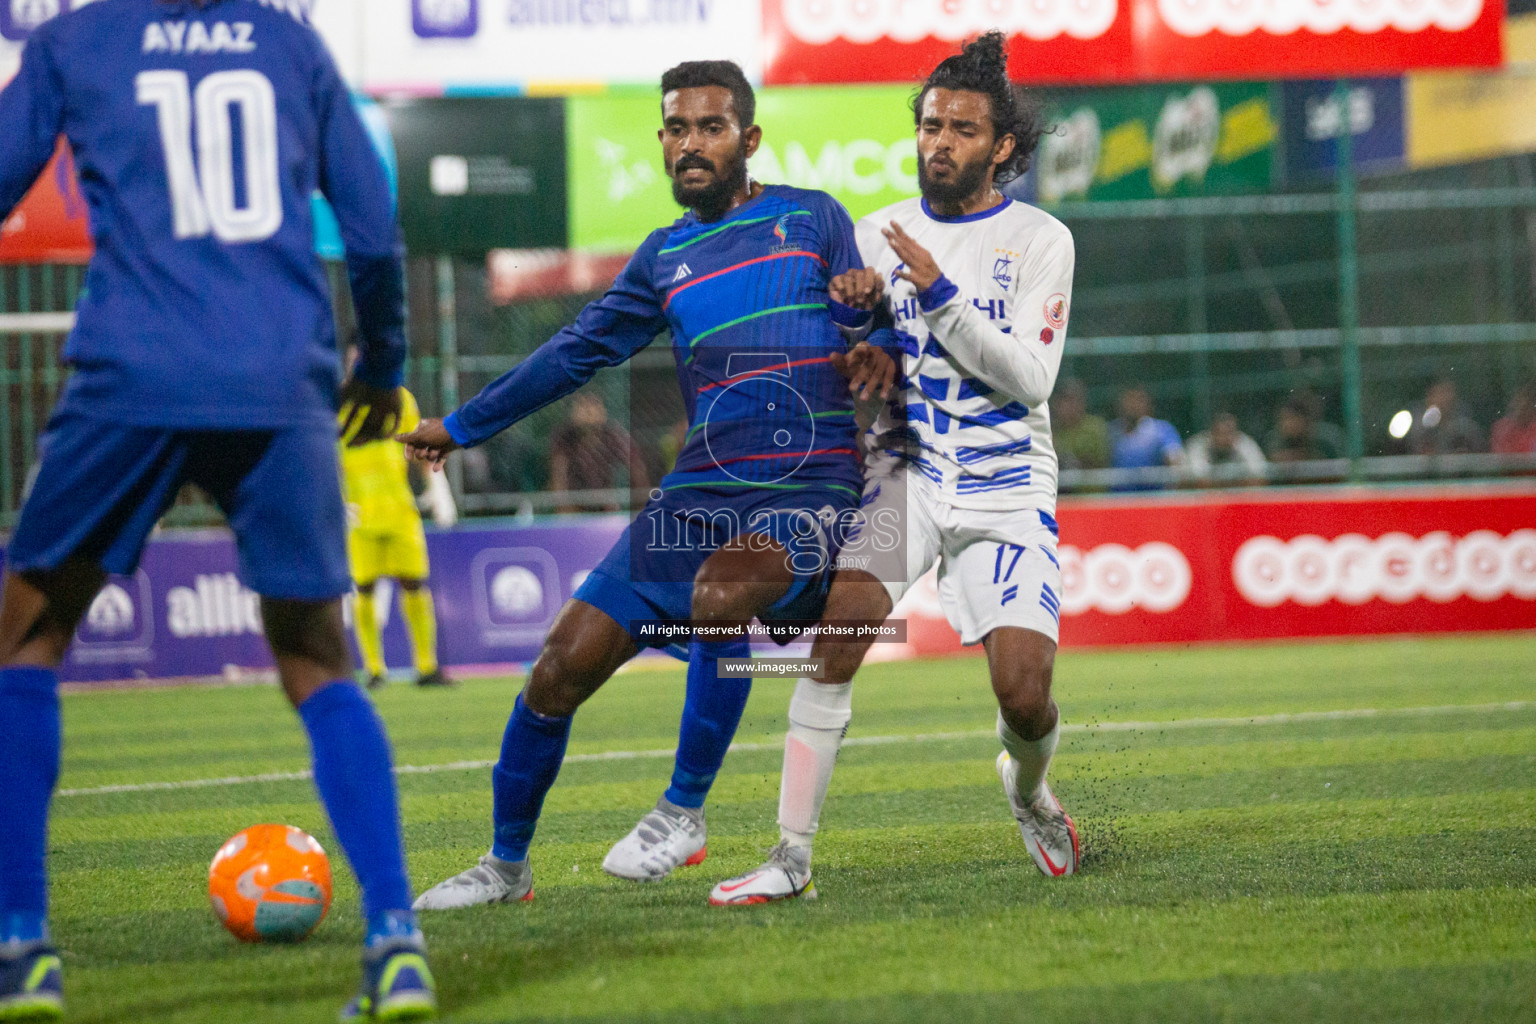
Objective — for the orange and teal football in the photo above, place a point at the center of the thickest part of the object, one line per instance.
(270, 883)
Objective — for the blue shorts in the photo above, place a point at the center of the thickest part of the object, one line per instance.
(101, 487)
(648, 575)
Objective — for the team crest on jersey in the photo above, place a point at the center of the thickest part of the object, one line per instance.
(1002, 268)
(18, 18)
(781, 232)
(1056, 311)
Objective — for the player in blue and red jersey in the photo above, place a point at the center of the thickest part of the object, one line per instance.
(746, 523)
(204, 351)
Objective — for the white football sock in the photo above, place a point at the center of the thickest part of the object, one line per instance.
(1030, 757)
(818, 717)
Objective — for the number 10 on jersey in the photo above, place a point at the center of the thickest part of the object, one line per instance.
(203, 192)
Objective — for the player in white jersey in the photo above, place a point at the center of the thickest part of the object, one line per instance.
(960, 468)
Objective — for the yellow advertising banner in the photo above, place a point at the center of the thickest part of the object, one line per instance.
(1456, 117)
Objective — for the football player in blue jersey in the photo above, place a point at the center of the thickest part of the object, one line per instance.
(204, 350)
(746, 523)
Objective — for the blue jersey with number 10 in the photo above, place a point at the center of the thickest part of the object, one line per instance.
(201, 132)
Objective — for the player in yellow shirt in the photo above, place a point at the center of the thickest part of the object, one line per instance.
(385, 540)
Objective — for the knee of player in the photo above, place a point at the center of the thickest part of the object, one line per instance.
(559, 682)
(1024, 686)
(725, 601)
(858, 595)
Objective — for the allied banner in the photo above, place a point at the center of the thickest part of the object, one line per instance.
(434, 46)
(1101, 41)
(185, 614)
(1260, 566)
(1178, 569)
(855, 142)
(1146, 142)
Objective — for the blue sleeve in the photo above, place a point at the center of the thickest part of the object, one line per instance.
(841, 251)
(1170, 441)
(353, 178)
(625, 320)
(31, 117)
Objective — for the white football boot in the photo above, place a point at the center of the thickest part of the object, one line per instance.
(785, 875)
(492, 880)
(1048, 832)
(668, 837)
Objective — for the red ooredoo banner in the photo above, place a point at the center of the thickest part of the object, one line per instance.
(1102, 41)
(1189, 569)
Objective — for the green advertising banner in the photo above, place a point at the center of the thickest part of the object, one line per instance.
(480, 173)
(855, 142)
(1145, 143)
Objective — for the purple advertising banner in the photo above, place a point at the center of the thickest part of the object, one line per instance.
(185, 614)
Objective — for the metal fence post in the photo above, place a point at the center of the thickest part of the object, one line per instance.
(448, 360)
(1349, 284)
(1194, 294)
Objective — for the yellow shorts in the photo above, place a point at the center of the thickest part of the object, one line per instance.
(399, 552)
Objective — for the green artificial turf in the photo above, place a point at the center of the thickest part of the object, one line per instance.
(1329, 868)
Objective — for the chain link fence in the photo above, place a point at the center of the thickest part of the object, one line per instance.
(1229, 305)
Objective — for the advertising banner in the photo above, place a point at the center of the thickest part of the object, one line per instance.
(1258, 567)
(855, 142)
(434, 46)
(480, 174)
(51, 224)
(185, 614)
(1313, 118)
(1145, 142)
(1459, 117)
(1137, 571)
(1101, 41)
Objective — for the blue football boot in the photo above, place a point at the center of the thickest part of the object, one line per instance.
(32, 985)
(397, 985)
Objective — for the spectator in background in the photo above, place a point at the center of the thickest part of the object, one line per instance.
(1440, 427)
(589, 451)
(1515, 433)
(1225, 454)
(1138, 441)
(1300, 435)
(1081, 438)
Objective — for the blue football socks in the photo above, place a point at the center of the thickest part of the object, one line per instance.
(711, 712)
(531, 751)
(29, 768)
(355, 777)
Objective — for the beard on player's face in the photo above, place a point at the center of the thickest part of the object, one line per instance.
(712, 198)
(958, 181)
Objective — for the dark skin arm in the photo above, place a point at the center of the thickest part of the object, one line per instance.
(367, 413)
(870, 370)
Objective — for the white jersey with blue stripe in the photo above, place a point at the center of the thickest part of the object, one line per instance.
(982, 348)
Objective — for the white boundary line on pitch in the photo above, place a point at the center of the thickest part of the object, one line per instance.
(1284, 718)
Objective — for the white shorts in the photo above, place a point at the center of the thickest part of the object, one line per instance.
(996, 568)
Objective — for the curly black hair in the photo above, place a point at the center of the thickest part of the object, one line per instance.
(693, 74)
(982, 66)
